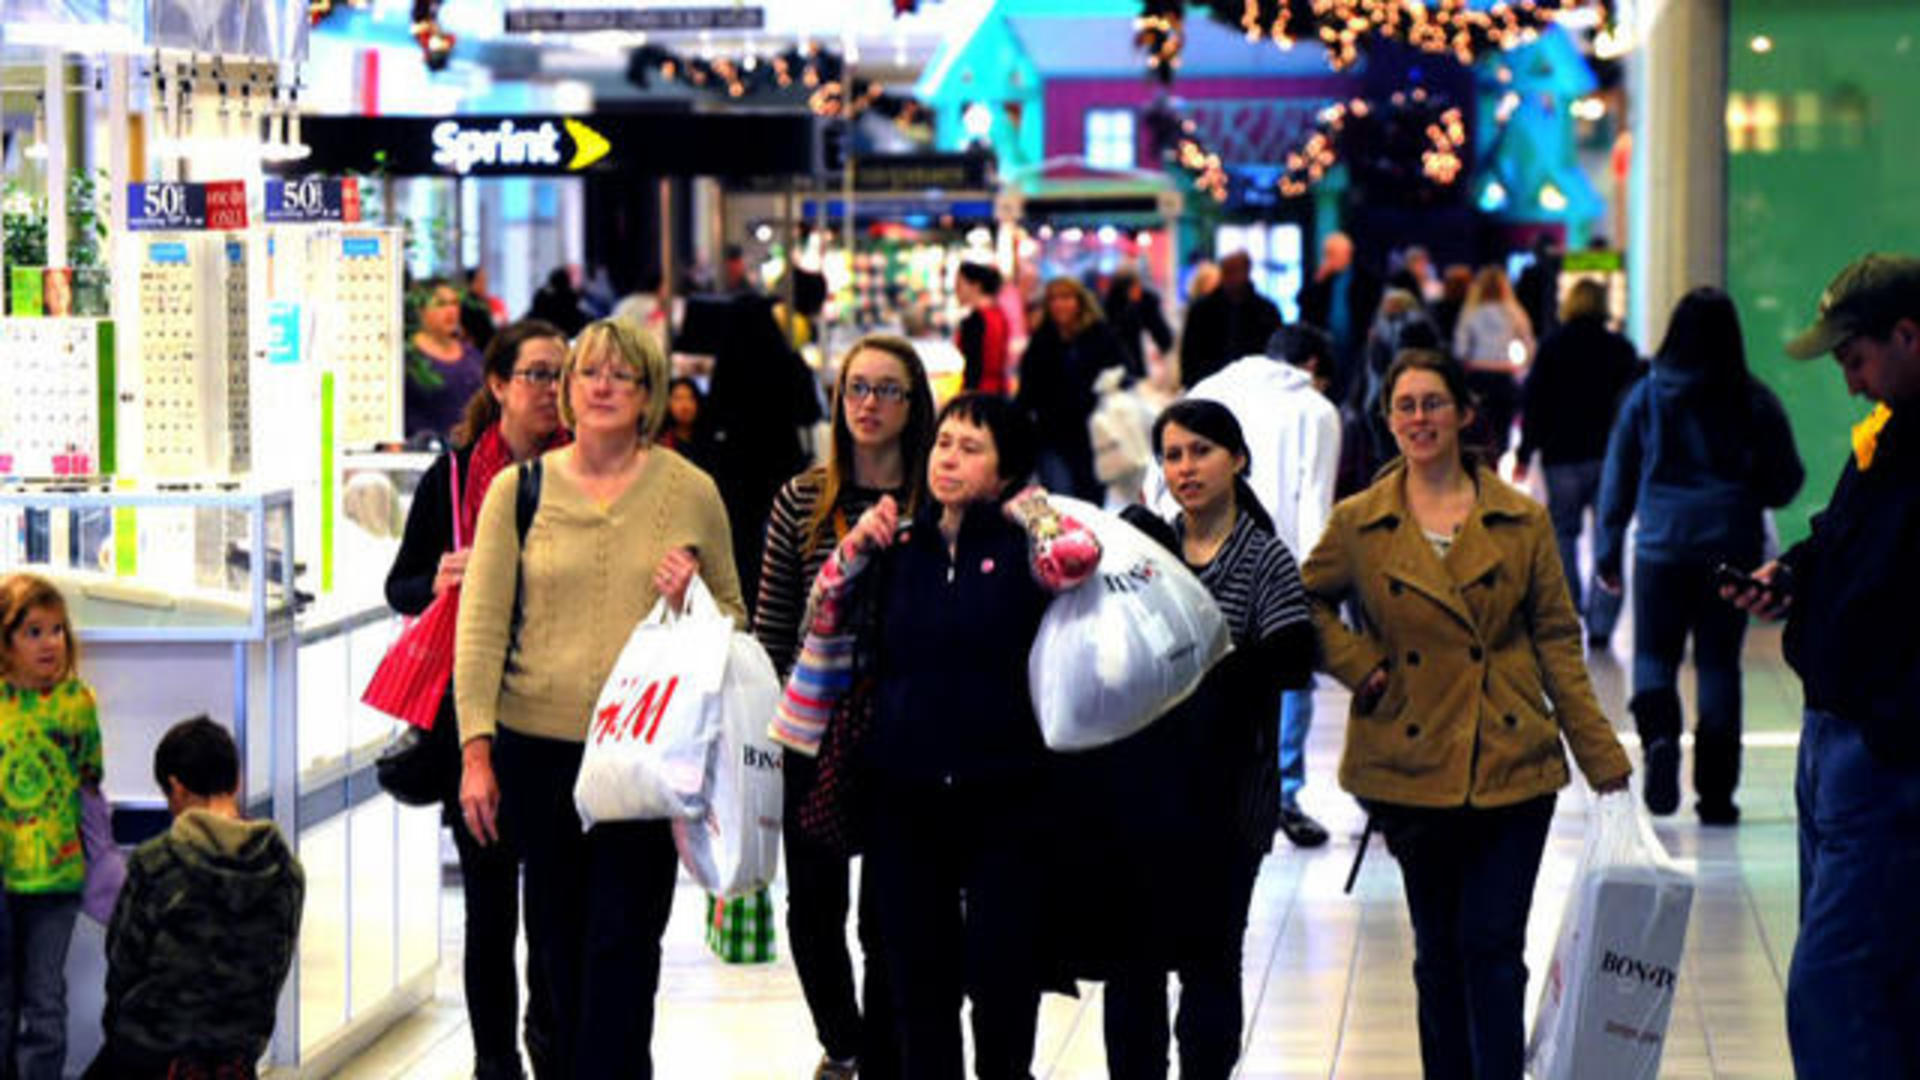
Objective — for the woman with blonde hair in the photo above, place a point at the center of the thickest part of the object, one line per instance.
(615, 525)
(1494, 340)
(1066, 354)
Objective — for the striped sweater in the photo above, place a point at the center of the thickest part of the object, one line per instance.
(789, 567)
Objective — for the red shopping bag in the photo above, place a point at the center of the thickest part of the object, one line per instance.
(413, 676)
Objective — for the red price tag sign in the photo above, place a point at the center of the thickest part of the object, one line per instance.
(227, 205)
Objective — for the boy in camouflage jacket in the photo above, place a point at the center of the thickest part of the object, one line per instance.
(204, 932)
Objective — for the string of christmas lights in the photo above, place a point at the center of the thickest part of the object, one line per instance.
(815, 73)
(1176, 138)
(1345, 27)
(1385, 139)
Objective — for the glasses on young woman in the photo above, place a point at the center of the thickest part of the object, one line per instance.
(887, 393)
(1431, 405)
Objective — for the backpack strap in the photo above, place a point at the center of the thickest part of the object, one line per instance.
(525, 504)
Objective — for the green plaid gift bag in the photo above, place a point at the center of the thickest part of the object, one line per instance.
(740, 931)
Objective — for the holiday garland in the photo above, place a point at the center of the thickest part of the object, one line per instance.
(815, 73)
(1345, 27)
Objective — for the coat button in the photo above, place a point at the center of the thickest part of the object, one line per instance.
(1413, 731)
(1395, 588)
(1512, 720)
(1413, 659)
(1477, 653)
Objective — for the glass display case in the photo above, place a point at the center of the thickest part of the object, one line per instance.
(184, 602)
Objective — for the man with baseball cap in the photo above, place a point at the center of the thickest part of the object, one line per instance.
(1851, 593)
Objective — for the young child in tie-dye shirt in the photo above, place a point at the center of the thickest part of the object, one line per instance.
(49, 751)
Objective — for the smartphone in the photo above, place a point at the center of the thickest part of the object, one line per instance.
(1726, 576)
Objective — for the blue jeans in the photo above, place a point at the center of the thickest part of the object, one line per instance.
(1572, 490)
(1672, 602)
(33, 988)
(1296, 720)
(1469, 876)
(1854, 989)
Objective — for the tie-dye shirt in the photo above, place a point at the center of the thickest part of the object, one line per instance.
(49, 748)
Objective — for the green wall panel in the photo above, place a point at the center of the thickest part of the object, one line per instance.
(1823, 138)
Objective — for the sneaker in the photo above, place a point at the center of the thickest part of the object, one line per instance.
(1717, 813)
(829, 1069)
(1662, 789)
(1303, 831)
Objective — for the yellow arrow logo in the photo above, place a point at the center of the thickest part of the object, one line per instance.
(589, 145)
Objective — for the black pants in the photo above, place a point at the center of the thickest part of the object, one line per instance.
(817, 905)
(490, 891)
(1496, 400)
(1212, 1017)
(1674, 601)
(597, 905)
(953, 870)
(1469, 877)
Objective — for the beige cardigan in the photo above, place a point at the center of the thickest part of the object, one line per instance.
(588, 580)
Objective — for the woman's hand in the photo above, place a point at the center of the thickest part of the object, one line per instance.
(1612, 786)
(1368, 696)
(479, 792)
(452, 570)
(874, 531)
(676, 571)
(1769, 599)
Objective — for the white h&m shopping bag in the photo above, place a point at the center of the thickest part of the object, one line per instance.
(647, 743)
(1609, 992)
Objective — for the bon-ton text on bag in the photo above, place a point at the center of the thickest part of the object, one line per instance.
(641, 720)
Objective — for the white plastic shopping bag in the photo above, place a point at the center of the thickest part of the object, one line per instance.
(733, 847)
(1118, 651)
(646, 752)
(1609, 991)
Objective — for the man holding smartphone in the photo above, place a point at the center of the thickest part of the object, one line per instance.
(1849, 593)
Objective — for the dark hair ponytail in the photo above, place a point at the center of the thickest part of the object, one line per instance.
(1215, 423)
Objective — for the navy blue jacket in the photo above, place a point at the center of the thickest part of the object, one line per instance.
(1856, 587)
(1697, 482)
(952, 703)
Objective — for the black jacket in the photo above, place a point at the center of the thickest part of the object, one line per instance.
(1363, 300)
(952, 704)
(1130, 318)
(1850, 632)
(1056, 389)
(428, 535)
(1573, 390)
(1221, 329)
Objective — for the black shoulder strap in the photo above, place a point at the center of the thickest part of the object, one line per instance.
(526, 502)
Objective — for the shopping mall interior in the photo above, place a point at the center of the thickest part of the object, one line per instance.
(261, 258)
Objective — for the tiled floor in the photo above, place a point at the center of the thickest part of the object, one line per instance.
(1328, 984)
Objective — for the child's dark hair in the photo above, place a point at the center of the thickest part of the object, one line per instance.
(983, 277)
(1013, 435)
(201, 755)
(1216, 423)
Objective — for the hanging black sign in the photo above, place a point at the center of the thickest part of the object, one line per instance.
(540, 20)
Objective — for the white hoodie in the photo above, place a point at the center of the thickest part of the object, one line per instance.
(1293, 432)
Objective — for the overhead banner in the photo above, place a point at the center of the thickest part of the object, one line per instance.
(183, 207)
(639, 143)
(549, 20)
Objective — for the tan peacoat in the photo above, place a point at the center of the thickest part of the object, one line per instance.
(1485, 665)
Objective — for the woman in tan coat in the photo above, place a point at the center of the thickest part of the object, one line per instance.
(1467, 676)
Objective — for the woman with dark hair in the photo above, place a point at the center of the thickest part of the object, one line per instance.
(955, 765)
(882, 426)
(1699, 450)
(444, 371)
(983, 334)
(1188, 807)
(513, 418)
(687, 432)
(1067, 352)
(1467, 675)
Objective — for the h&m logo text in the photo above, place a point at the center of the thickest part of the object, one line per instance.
(639, 721)
(1133, 579)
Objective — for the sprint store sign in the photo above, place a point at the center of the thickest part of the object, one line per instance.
(463, 149)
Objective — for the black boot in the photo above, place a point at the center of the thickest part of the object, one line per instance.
(1656, 713)
(1716, 772)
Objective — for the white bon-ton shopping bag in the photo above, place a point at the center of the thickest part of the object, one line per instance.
(733, 847)
(647, 742)
(1609, 992)
(1116, 652)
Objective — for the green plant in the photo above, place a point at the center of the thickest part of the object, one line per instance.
(25, 220)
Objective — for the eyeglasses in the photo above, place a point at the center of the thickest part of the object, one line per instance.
(887, 393)
(541, 378)
(1430, 405)
(621, 376)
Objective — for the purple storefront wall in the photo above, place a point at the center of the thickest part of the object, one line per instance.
(1068, 99)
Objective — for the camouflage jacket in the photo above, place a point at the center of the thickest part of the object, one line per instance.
(202, 937)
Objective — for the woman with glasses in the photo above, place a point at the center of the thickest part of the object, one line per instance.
(515, 417)
(1469, 684)
(882, 425)
(444, 370)
(616, 526)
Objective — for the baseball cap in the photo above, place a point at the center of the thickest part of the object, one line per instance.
(1873, 291)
